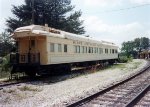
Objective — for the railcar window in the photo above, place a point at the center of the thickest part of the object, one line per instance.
(78, 49)
(75, 49)
(116, 51)
(100, 50)
(32, 43)
(110, 50)
(65, 48)
(113, 51)
(17, 45)
(92, 50)
(89, 49)
(86, 49)
(82, 49)
(106, 51)
(59, 48)
(52, 47)
(22, 58)
(95, 50)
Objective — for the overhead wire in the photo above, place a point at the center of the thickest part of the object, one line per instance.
(122, 9)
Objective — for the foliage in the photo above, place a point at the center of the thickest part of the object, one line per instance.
(28, 88)
(5, 67)
(5, 63)
(56, 13)
(145, 43)
(123, 59)
(132, 48)
(118, 65)
(6, 44)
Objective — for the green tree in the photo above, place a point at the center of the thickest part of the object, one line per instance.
(145, 43)
(56, 13)
(132, 48)
(128, 48)
(137, 44)
(6, 44)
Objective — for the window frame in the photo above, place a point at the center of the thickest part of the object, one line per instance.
(52, 49)
(65, 48)
(59, 47)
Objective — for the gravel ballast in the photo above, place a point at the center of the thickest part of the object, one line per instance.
(63, 92)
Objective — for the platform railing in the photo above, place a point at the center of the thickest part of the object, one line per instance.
(26, 58)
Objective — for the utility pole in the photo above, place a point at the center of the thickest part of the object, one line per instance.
(32, 11)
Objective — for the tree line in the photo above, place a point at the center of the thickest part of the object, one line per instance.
(134, 47)
(59, 14)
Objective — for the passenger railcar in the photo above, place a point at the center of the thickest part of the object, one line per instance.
(41, 49)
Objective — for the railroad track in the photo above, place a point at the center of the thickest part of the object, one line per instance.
(122, 94)
(19, 81)
(142, 99)
(9, 84)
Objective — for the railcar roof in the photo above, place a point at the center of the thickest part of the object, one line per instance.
(47, 31)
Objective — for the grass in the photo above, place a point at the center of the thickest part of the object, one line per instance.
(116, 66)
(54, 79)
(4, 67)
(9, 91)
(135, 65)
(28, 88)
(4, 74)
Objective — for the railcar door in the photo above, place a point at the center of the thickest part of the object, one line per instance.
(32, 44)
(33, 53)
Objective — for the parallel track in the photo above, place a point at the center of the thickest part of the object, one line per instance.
(17, 82)
(120, 94)
(9, 84)
(137, 98)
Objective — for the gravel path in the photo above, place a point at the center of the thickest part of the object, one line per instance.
(61, 93)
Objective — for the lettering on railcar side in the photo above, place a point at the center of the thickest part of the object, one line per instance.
(76, 42)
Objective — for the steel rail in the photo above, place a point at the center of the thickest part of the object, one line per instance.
(137, 98)
(9, 84)
(15, 83)
(89, 98)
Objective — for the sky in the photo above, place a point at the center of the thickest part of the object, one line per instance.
(110, 20)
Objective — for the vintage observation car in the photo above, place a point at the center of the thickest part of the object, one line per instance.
(42, 49)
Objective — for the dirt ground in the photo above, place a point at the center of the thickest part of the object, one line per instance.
(46, 94)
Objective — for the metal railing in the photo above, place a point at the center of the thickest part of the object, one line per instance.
(30, 58)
